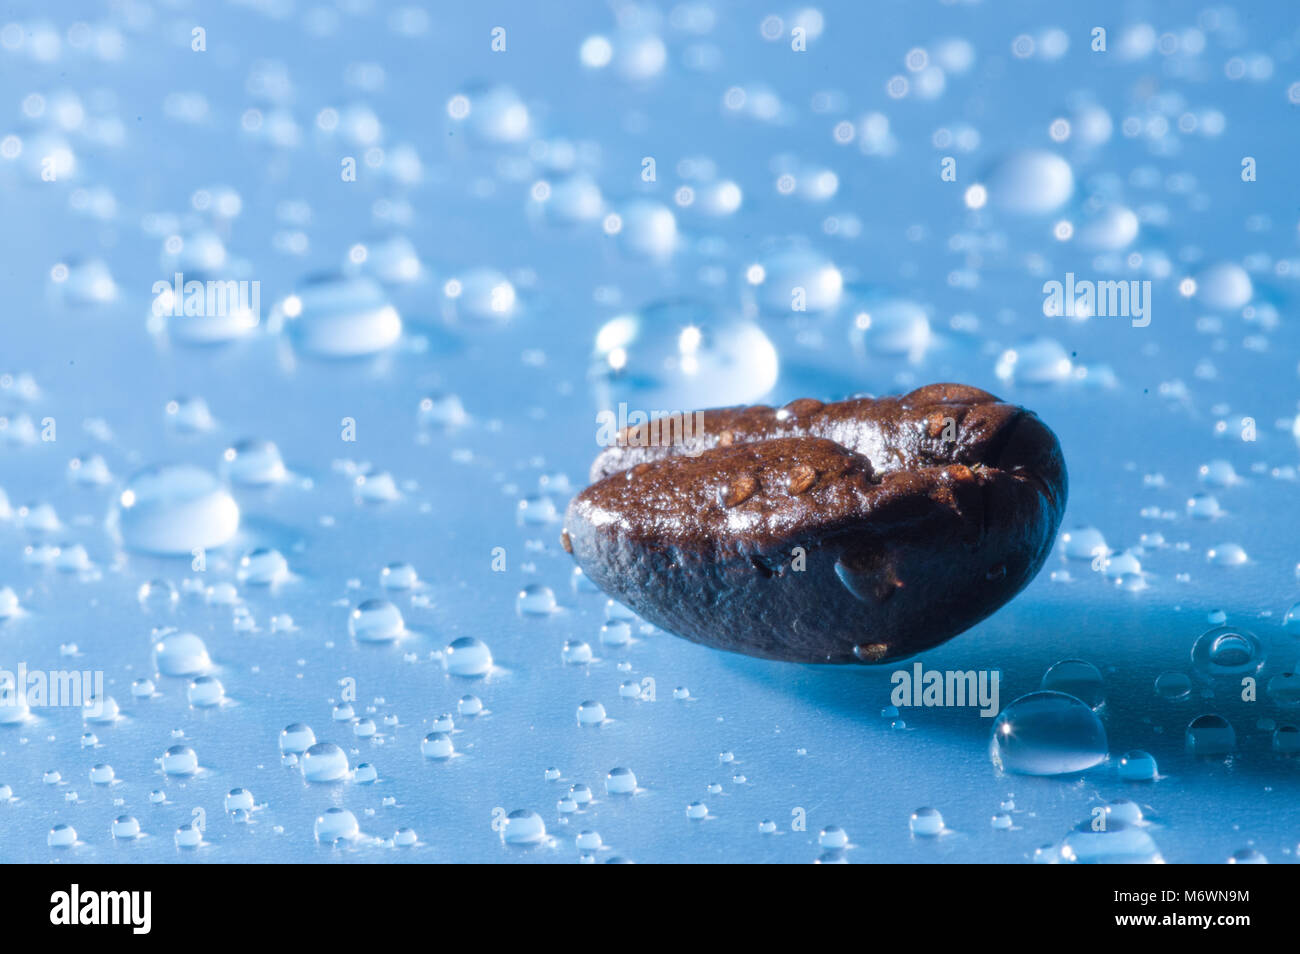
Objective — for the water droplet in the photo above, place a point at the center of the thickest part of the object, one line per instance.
(398, 576)
(467, 656)
(1047, 733)
(239, 799)
(469, 706)
(1030, 182)
(1226, 554)
(253, 463)
(1077, 678)
(437, 745)
(376, 621)
(263, 567)
(1118, 843)
(523, 827)
(175, 509)
(590, 713)
(1035, 361)
(890, 327)
(205, 692)
(576, 653)
(335, 825)
(1247, 856)
(1227, 651)
(180, 760)
(296, 739)
(339, 316)
(535, 600)
(61, 836)
(155, 596)
(1210, 735)
(681, 355)
(324, 762)
(1173, 686)
(181, 654)
(926, 822)
(620, 781)
(833, 838)
(616, 633)
(697, 811)
(1225, 285)
(1137, 766)
(405, 838)
(188, 836)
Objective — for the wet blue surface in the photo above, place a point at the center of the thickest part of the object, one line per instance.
(227, 163)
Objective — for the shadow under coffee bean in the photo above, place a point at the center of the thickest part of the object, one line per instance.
(860, 531)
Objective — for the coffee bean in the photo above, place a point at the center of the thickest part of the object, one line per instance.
(849, 532)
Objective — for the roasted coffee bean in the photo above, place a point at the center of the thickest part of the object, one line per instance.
(861, 531)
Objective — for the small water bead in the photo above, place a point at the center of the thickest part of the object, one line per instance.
(398, 576)
(365, 774)
(102, 774)
(570, 200)
(90, 470)
(891, 327)
(620, 781)
(405, 838)
(1001, 821)
(1029, 182)
(1227, 651)
(1110, 228)
(537, 510)
(681, 692)
(1035, 361)
(467, 656)
(9, 605)
(442, 410)
(697, 811)
(681, 354)
(1210, 735)
(1173, 686)
(437, 746)
(1226, 554)
(190, 415)
(376, 488)
(376, 621)
(181, 654)
(263, 567)
(535, 599)
(1217, 473)
(523, 827)
(14, 709)
(335, 825)
(1137, 766)
(443, 723)
(793, 264)
(51, 777)
(1217, 617)
(157, 797)
(1291, 619)
(253, 463)
(566, 805)
(100, 710)
(581, 793)
(1047, 733)
(767, 827)
(1247, 856)
(364, 728)
(926, 822)
(1284, 689)
(155, 596)
(552, 775)
(481, 295)
(617, 633)
(324, 762)
(296, 739)
(833, 838)
(61, 836)
(174, 509)
(188, 836)
(469, 706)
(1286, 740)
(588, 841)
(239, 799)
(340, 316)
(1203, 507)
(205, 692)
(576, 653)
(1118, 843)
(88, 741)
(343, 712)
(126, 828)
(629, 689)
(1077, 678)
(180, 760)
(1224, 285)
(591, 713)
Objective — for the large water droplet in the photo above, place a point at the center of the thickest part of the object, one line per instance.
(339, 316)
(1047, 733)
(175, 509)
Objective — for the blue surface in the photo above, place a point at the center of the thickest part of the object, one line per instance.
(1140, 411)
